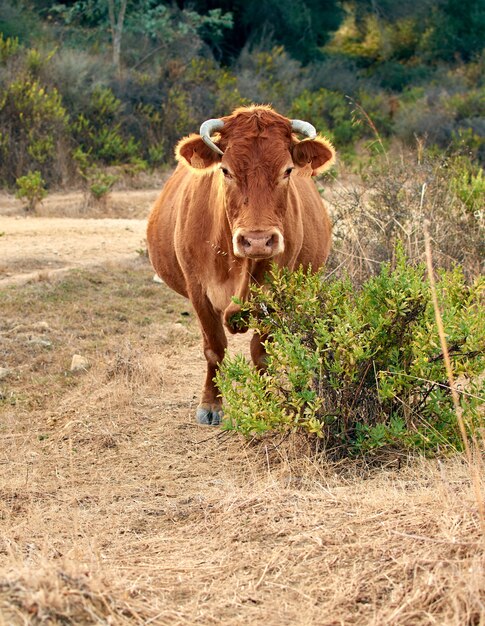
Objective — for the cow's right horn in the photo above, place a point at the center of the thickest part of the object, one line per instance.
(206, 130)
(304, 128)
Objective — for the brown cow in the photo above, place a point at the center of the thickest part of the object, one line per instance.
(235, 202)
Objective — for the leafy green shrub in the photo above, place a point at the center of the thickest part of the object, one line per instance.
(135, 166)
(156, 154)
(160, 110)
(468, 183)
(38, 63)
(440, 115)
(8, 47)
(178, 114)
(102, 184)
(342, 117)
(466, 140)
(270, 76)
(359, 369)
(32, 188)
(220, 86)
(98, 131)
(97, 183)
(467, 104)
(19, 20)
(150, 120)
(33, 124)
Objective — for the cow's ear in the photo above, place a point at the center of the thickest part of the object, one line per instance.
(317, 154)
(193, 152)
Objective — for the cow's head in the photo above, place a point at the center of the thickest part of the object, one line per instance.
(256, 153)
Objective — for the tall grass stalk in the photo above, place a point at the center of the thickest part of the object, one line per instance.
(360, 111)
(473, 467)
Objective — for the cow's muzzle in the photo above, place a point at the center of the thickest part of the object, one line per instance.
(257, 244)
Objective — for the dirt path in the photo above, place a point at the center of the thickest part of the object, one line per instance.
(34, 246)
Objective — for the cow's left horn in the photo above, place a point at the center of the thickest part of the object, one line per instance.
(206, 130)
(304, 128)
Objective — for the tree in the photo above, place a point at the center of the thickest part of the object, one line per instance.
(301, 26)
(150, 24)
(456, 29)
(445, 29)
(116, 12)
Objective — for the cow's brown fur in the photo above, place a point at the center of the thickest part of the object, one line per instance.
(192, 224)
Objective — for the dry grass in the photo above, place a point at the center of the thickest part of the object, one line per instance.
(116, 508)
(370, 213)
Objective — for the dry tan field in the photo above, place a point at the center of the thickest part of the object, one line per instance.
(117, 508)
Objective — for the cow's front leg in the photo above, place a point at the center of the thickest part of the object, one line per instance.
(209, 410)
(258, 353)
(235, 320)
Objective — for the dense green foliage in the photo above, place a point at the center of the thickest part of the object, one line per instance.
(32, 129)
(360, 369)
(80, 84)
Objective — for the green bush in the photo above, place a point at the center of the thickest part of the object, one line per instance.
(468, 183)
(33, 124)
(9, 46)
(98, 131)
(101, 184)
(442, 117)
(344, 120)
(32, 188)
(97, 182)
(201, 90)
(359, 369)
(270, 76)
(330, 112)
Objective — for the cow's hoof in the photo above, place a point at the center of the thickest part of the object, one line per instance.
(236, 319)
(209, 415)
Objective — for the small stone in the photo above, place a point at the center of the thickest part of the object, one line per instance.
(37, 341)
(79, 363)
(157, 279)
(175, 332)
(4, 373)
(20, 328)
(41, 326)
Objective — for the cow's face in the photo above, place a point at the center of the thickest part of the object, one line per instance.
(260, 157)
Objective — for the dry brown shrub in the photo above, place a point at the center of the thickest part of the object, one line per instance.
(391, 202)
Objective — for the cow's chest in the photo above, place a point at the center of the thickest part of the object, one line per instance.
(221, 292)
(228, 280)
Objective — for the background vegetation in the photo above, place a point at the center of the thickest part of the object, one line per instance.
(89, 84)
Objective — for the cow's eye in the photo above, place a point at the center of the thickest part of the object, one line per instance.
(287, 172)
(226, 172)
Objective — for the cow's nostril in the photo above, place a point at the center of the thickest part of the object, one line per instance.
(258, 244)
